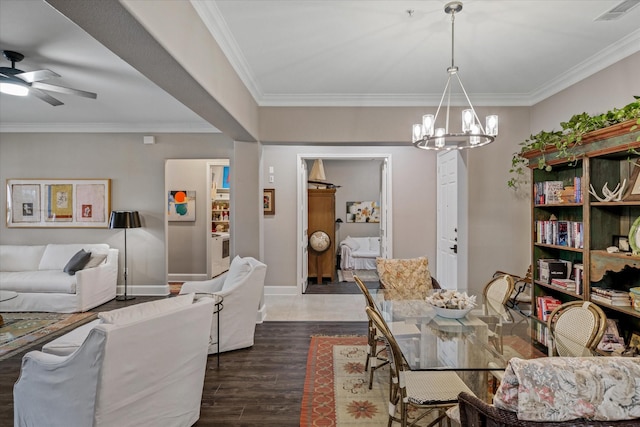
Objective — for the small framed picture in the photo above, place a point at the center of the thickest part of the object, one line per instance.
(622, 243)
(269, 201)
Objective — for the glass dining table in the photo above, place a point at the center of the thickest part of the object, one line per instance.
(474, 345)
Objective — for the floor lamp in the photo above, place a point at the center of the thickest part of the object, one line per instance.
(124, 219)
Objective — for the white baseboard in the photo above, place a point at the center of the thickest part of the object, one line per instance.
(186, 277)
(281, 290)
(144, 290)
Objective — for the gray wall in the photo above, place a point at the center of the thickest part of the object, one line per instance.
(137, 183)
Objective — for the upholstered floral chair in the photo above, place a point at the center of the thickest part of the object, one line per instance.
(405, 278)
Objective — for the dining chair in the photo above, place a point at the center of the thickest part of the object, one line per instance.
(426, 391)
(495, 295)
(521, 294)
(576, 328)
(375, 358)
(406, 278)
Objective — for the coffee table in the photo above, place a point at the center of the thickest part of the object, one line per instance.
(5, 296)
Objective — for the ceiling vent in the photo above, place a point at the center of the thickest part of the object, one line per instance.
(618, 10)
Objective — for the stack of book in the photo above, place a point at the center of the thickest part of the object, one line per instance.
(561, 233)
(545, 306)
(564, 284)
(611, 296)
(546, 192)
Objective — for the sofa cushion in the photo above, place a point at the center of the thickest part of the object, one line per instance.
(238, 270)
(95, 260)
(38, 281)
(20, 257)
(56, 256)
(71, 341)
(77, 262)
(374, 244)
(133, 313)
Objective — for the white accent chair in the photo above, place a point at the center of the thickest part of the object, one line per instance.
(242, 289)
(142, 365)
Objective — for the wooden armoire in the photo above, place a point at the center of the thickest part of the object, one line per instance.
(322, 216)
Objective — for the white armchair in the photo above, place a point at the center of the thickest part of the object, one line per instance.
(142, 365)
(242, 289)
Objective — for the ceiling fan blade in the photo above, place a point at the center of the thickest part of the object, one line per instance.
(36, 76)
(65, 90)
(46, 97)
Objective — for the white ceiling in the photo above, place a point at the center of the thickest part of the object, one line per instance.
(326, 52)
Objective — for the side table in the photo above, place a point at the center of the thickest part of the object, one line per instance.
(218, 299)
(5, 296)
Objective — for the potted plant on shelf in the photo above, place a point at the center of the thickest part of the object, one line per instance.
(562, 146)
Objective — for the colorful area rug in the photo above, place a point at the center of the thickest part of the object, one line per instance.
(364, 275)
(24, 330)
(336, 389)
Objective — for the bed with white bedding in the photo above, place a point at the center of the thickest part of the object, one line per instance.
(359, 253)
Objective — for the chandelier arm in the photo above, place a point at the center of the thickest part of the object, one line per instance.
(435, 118)
(470, 105)
(446, 124)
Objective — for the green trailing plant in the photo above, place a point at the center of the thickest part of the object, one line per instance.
(561, 144)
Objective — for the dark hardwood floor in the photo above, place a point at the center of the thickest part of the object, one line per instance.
(258, 386)
(337, 287)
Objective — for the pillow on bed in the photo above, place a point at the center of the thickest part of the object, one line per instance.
(374, 244)
(351, 243)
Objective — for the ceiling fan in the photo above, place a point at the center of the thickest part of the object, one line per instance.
(17, 82)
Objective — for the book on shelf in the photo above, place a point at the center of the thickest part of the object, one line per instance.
(560, 233)
(546, 192)
(611, 296)
(566, 284)
(549, 269)
(545, 306)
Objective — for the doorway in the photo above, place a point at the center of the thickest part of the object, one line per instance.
(382, 196)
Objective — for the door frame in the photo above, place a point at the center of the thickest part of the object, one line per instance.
(302, 186)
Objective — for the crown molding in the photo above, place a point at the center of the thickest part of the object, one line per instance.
(107, 128)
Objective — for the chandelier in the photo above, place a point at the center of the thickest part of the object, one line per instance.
(427, 137)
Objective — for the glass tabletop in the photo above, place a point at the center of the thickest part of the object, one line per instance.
(478, 341)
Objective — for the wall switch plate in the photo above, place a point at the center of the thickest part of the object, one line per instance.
(271, 178)
(270, 169)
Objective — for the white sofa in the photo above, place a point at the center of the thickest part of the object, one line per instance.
(36, 273)
(142, 365)
(242, 288)
(359, 253)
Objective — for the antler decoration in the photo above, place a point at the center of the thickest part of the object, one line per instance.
(609, 195)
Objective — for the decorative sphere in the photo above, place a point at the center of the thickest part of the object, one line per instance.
(319, 241)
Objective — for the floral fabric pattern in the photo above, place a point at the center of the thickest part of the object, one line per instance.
(569, 388)
(408, 278)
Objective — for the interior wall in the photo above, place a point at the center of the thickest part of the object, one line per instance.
(613, 87)
(359, 180)
(137, 183)
(187, 240)
(414, 227)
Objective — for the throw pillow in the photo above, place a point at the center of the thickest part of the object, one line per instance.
(238, 270)
(350, 243)
(77, 262)
(95, 260)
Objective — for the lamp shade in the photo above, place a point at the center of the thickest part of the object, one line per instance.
(124, 219)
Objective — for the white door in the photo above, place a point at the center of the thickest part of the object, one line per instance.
(303, 219)
(447, 219)
(386, 250)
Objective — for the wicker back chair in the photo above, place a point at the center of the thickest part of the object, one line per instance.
(426, 391)
(475, 413)
(577, 328)
(375, 359)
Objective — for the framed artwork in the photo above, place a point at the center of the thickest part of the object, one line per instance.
(58, 203)
(269, 201)
(181, 205)
(633, 191)
(226, 183)
(363, 212)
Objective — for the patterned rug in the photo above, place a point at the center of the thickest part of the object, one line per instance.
(336, 388)
(24, 330)
(364, 275)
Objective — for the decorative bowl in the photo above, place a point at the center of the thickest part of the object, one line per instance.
(452, 313)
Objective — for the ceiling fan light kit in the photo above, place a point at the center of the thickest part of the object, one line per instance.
(427, 137)
(20, 83)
